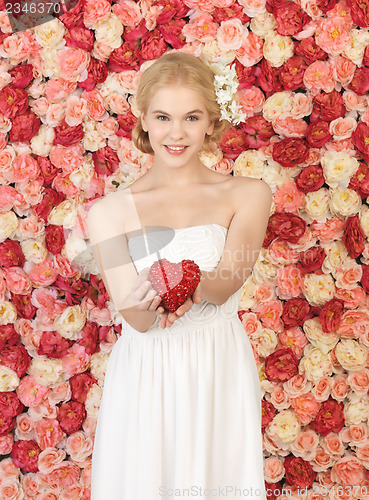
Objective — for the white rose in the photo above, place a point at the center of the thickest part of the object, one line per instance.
(345, 202)
(46, 371)
(284, 427)
(317, 204)
(84, 173)
(315, 364)
(351, 355)
(277, 49)
(110, 85)
(359, 41)
(278, 104)
(8, 225)
(92, 140)
(70, 322)
(356, 410)
(264, 269)
(253, 7)
(249, 164)
(93, 401)
(263, 24)
(50, 59)
(265, 341)
(318, 288)
(98, 366)
(248, 290)
(65, 214)
(336, 257)
(276, 175)
(212, 54)
(317, 337)
(8, 312)
(50, 34)
(338, 168)
(364, 219)
(34, 249)
(9, 379)
(78, 252)
(109, 31)
(42, 142)
(211, 159)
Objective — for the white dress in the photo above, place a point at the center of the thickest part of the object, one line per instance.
(181, 407)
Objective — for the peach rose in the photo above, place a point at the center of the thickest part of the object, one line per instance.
(94, 11)
(355, 435)
(359, 381)
(31, 485)
(273, 469)
(48, 433)
(54, 114)
(264, 292)
(251, 99)
(354, 102)
(348, 471)
(322, 460)
(342, 128)
(40, 106)
(43, 273)
(58, 89)
(332, 443)
(270, 313)
(76, 360)
(305, 406)
(62, 475)
(279, 398)
(251, 323)
(11, 489)
(107, 127)
(253, 7)
(288, 198)
(289, 282)
(17, 280)
(319, 76)
(61, 392)
(128, 12)
(340, 387)
(6, 444)
(296, 385)
(75, 111)
(30, 227)
(7, 156)
(251, 50)
(343, 70)
(289, 126)
(231, 34)
(95, 105)
(116, 103)
(201, 27)
(25, 427)
(328, 231)
(353, 324)
(25, 168)
(322, 389)
(73, 62)
(305, 444)
(281, 253)
(351, 298)
(49, 458)
(349, 276)
(302, 105)
(333, 35)
(74, 492)
(32, 192)
(295, 339)
(79, 446)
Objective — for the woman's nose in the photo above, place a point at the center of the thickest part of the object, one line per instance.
(176, 130)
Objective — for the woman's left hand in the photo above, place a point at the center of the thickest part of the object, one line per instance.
(168, 317)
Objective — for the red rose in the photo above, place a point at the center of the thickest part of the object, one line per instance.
(234, 11)
(359, 181)
(354, 237)
(233, 142)
(366, 56)
(8, 335)
(268, 412)
(359, 12)
(72, 288)
(317, 134)
(258, 131)
(245, 76)
(67, 135)
(123, 58)
(281, 365)
(171, 32)
(11, 254)
(71, 416)
(290, 18)
(25, 308)
(308, 49)
(326, 5)
(360, 138)
(299, 472)
(10, 405)
(152, 45)
(331, 314)
(25, 455)
(53, 345)
(170, 9)
(292, 72)
(311, 259)
(22, 75)
(126, 124)
(360, 82)
(89, 338)
(80, 385)
(295, 312)
(106, 161)
(48, 170)
(328, 107)
(310, 179)
(54, 238)
(50, 199)
(287, 226)
(13, 101)
(6, 424)
(16, 358)
(80, 37)
(290, 152)
(365, 277)
(268, 77)
(24, 127)
(329, 418)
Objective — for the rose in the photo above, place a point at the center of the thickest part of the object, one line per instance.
(22, 75)
(126, 124)
(310, 179)
(171, 33)
(329, 418)
(268, 77)
(80, 385)
(16, 358)
(71, 416)
(268, 412)
(290, 152)
(10, 405)
(245, 75)
(326, 5)
(360, 138)
(25, 455)
(54, 238)
(286, 226)
(317, 134)
(295, 312)
(24, 127)
(258, 131)
(292, 72)
(299, 472)
(366, 56)
(66, 135)
(308, 49)
(359, 12)
(290, 18)
(331, 314)
(281, 365)
(8, 335)
(80, 37)
(360, 81)
(327, 106)
(48, 170)
(13, 101)
(354, 237)
(89, 338)
(233, 143)
(53, 344)
(152, 45)
(123, 58)
(311, 259)
(234, 11)
(360, 180)
(106, 160)
(11, 254)
(97, 73)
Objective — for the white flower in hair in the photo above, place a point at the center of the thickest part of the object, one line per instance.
(226, 85)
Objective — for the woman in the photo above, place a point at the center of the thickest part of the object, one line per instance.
(181, 407)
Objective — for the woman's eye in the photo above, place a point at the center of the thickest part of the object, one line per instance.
(195, 118)
(161, 116)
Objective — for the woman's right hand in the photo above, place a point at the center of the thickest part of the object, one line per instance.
(168, 317)
(143, 291)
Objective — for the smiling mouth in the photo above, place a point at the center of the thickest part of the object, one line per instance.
(176, 148)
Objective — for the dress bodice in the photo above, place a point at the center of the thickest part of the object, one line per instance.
(204, 244)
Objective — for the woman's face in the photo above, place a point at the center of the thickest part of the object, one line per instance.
(177, 118)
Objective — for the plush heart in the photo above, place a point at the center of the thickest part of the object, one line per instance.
(174, 282)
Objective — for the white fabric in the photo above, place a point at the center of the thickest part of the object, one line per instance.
(181, 406)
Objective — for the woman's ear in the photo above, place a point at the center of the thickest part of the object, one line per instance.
(143, 122)
(210, 129)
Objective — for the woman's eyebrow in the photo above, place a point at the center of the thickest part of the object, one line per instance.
(189, 113)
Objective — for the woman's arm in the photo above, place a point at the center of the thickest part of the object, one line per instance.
(253, 198)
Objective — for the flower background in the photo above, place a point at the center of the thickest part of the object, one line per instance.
(67, 109)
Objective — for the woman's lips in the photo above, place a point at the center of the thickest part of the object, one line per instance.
(176, 151)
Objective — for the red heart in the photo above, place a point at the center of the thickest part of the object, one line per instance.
(174, 282)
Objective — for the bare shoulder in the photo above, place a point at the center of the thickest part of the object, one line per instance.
(250, 190)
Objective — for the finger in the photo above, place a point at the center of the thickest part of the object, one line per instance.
(196, 295)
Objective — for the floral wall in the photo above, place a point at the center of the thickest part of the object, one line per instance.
(67, 87)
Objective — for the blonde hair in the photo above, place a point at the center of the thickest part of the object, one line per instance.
(183, 69)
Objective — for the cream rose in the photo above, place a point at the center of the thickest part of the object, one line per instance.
(51, 34)
(46, 371)
(92, 139)
(84, 173)
(248, 291)
(356, 410)
(249, 164)
(34, 249)
(264, 269)
(345, 202)
(70, 322)
(336, 256)
(359, 41)
(79, 253)
(65, 214)
(351, 355)
(277, 49)
(42, 142)
(212, 53)
(318, 288)
(8, 312)
(265, 341)
(98, 365)
(315, 364)
(338, 168)
(276, 175)
(314, 332)
(50, 59)
(364, 219)
(284, 427)
(317, 204)
(109, 31)
(278, 104)
(9, 379)
(263, 24)
(8, 225)
(93, 400)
